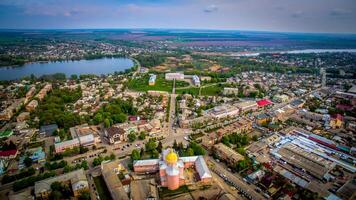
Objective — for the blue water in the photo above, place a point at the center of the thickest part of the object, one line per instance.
(97, 66)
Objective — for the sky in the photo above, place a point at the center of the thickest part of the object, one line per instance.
(326, 16)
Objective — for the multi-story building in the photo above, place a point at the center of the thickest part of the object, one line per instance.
(110, 171)
(23, 116)
(196, 80)
(43, 92)
(246, 106)
(176, 76)
(32, 105)
(281, 98)
(152, 79)
(231, 91)
(222, 111)
(227, 154)
(86, 140)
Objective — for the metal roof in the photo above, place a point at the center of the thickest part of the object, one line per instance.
(146, 162)
(202, 168)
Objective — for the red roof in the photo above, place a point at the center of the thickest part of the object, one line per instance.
(264, 102)
(338, 116)
(8, 153)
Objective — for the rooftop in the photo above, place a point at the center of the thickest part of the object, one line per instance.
(74, 177)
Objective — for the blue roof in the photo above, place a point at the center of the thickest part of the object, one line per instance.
(38, 154)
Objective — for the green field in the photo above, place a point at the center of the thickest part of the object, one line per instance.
(141, 84)
(213, 90)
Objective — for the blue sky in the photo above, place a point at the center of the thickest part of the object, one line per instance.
(337, 16)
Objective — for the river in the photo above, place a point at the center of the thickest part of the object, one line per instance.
(96, 66)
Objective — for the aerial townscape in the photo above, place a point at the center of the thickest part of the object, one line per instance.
(175, 113)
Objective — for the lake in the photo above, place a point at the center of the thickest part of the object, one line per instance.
(96, 66)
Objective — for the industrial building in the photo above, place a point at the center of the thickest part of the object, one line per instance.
(312, 154)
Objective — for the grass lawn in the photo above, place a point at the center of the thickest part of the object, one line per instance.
(141, 84)
(101, 188)
(165, 192)
(213, 90)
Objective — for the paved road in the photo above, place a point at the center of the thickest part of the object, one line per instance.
(138, 67)
(172, 110)
(226, 187)
(218, 168)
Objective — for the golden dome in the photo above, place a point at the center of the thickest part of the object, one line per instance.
(171, 157)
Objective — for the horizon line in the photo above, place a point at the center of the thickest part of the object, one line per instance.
(183, 29)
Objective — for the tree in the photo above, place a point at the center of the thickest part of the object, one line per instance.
(132, 137)
(107, 123)
(27, 161)
(62, 134)
(142, 152)
(56, 195)
(159, 147)
(155, 154)
(83, 149)
(112, 156)
(241, 150)
(98, 118)
(254, 138)
(119, 118)
(175, 145)
(142, 136)
(84, 165)
(225, 140)
(84, 195)
(74, 77)
(56, 186)
(150, 145)
(190, 152)
(198, 150)
(135, 155)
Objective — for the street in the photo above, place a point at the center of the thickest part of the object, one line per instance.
(248, 189)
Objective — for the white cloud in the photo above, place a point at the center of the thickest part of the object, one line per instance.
(211, 8)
